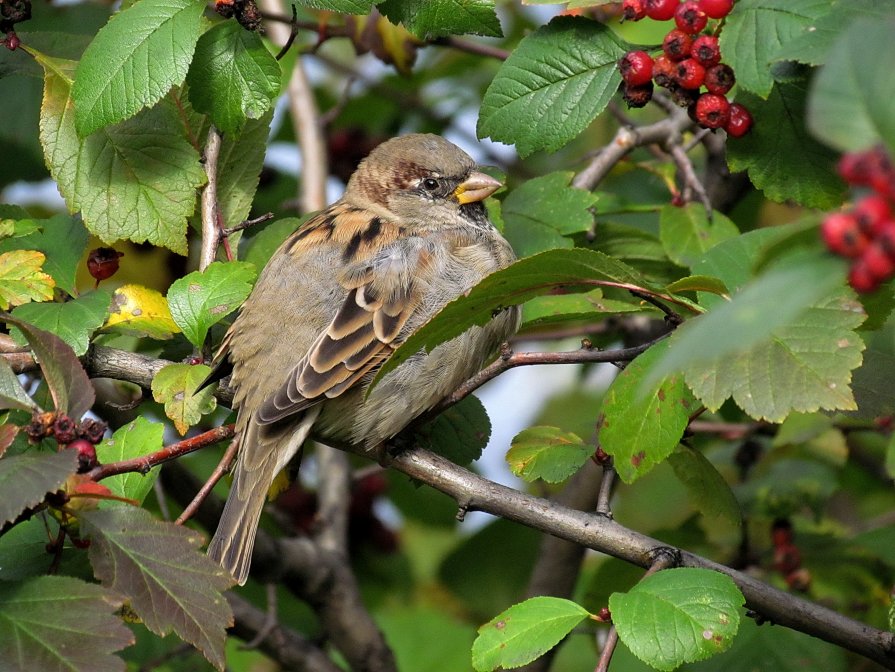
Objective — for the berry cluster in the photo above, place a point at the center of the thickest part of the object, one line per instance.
(866, 233)
(690, 62)
(82, 436)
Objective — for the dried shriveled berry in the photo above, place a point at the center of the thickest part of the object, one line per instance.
(637, 96)
(841, 234)
(712, 110)
(690, 17)
(40, 427)
(740, 121)
(663, 71)
(716, 9)
(65, 430)
(660, 10)
(689, 74)
(719, 79)
(677, 45)
(706, 51)
(92, 430)
(633, 10)
(683, 97)
(636, 68)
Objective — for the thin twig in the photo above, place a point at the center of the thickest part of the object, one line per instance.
(247, 223)
(608, 650)
(607, 482)
(211, 230)
(270, 618)
(691, 182)
(470, 47)
(293, 33)
(223, 467)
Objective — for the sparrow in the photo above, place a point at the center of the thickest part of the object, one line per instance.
(409, 235)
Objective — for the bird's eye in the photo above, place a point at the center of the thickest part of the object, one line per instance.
(430, 184)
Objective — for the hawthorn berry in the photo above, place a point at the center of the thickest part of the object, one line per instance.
(706, 51)
(716, 9)
(719, 79)
(633, 10)
(636, 68)
(86, 454)
(677, 45)
(841, 234)
(885, 234)
(689, 17)
(861, 279)
(689, 74)
(712, 110)
(660, 10)
(663, 71)
(740, 121)
(637, 96)
(683, 97)
(872, 212)
(64, 429)
(92, 430)
(880, 264)
(102, 263)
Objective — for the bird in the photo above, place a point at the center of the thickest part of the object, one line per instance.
(409, 235)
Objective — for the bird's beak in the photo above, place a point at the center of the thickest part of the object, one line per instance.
(477, 187)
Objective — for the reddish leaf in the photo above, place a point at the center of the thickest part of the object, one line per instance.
(25, 479)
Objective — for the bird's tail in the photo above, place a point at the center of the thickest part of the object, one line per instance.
(260, 460)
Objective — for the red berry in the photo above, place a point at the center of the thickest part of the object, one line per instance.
(712, 110)
(871, 212)
(637, 96)
(689, 74)
(740, 121)
(102, 262)
(663, 71)
(706, 51)
(12, 41)
(716, 9)
(885, 234)
(841, 234)
(660, 10)
(633, 10)
(719, 79)
(677, 45)
(861, 279)
(636, 68)
(880, 264)
(689, 17)
(86, 454)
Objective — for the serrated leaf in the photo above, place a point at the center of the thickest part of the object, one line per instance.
(21, 278)
(459, 434)
(60, 624)
(171, 584)
(641, 424)
(201, 299)
(142, 311)
(547, 453)
(62, 239)
(136, 180)
(849, 97)
(26, 479)
(678, 616)
(73, 321)
(524, 632)
(552, 86)
(757, 29)
(551, 271)
(341, 6)
(707, 490)
(428, 19)
(68, 382)
(541, 212)
(543, 311)
(634, 246)
(12, 394)
(233, 77)
(175, 387)
(137, 438)
(239, 169)
(781, 158)
(686, 233)
(134, 60)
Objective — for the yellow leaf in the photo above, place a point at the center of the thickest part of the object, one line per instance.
(22, 280)
(140, 310)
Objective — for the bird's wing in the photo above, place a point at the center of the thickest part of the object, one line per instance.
(382, 293)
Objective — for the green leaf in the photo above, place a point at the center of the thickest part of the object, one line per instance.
(233, 77)
(552, 86)
(757, 29)
(545, 311)
(60, 624)
(634, 246)
(678, 616)
(26, 479)
(21, 278)
(239, 169)
(849, 97)
(171, 584)
(547, 453)
(428, 19)
(524, 632)
(541, 212)
(698, 283)
(135, 439)
(709, 493)
(16, 228)
(62, 239)
(459, 434)
(73, 321)
(640, 426)
(68, 382)
(686, 233)
(814, 42)
(12, 394)
(263, 244)
(137, 180)
(782, 159)
(341, 6)
(551, 271)
(202, 299)
(175, 387)
(134, 60)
